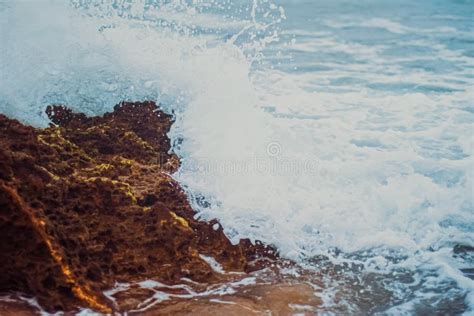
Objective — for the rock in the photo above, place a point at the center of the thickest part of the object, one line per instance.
(260, 299)
(281, 298)
(17, 308)
(89, 202)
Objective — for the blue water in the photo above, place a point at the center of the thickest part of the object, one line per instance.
(330, 129)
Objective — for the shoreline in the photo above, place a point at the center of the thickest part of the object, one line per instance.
(95, 197)
(110, 176)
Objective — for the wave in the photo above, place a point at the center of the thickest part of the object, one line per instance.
(287, 157)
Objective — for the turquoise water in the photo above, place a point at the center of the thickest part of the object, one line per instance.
(331, 129)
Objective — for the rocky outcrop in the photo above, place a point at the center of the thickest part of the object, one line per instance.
(89, 202)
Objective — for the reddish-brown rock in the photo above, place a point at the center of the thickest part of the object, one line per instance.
(90, 201)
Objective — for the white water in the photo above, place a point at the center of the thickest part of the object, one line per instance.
(308, 160)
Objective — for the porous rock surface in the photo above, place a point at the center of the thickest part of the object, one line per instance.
(89, 202)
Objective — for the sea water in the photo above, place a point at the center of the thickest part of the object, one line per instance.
(335, 129)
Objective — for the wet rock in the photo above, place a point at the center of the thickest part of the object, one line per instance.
(89, 202)
(261, 299)
(17, 307)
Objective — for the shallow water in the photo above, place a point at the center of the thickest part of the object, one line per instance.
(335, 130)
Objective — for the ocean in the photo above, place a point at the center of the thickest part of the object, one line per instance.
(341, 132)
